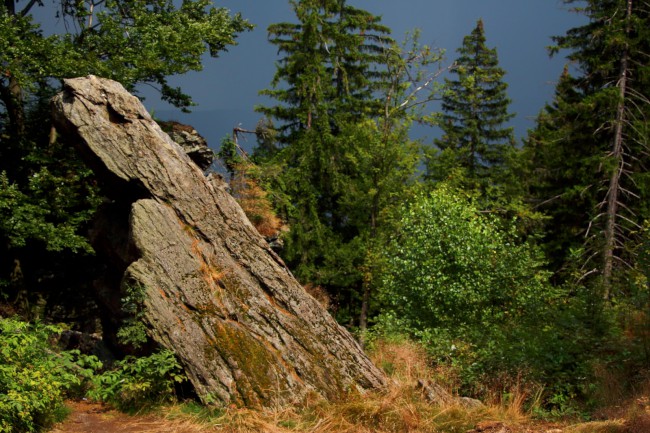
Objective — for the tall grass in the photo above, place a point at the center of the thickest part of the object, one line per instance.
(401, 407)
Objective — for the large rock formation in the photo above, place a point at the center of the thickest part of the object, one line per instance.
(214, 292)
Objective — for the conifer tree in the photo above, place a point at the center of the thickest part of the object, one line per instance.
(475, 113)
(329, 71)
(589, 149)
(326, 81)
(346, 95)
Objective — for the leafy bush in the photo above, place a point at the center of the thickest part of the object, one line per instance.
(464, 285)
(34, 378)
(137, 383)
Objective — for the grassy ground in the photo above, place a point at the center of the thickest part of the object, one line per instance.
(401, 408)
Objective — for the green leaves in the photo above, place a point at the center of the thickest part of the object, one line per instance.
(132, 42)
(34, 215)
(453, 276)
(34, 378)
(137, 383)
(46, 195)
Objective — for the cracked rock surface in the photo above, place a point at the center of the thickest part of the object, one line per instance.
(216, 294)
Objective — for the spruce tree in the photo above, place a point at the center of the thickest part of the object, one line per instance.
(330, 69)
(346, 96)
(475, 137)
(589, 151)
(326, 82)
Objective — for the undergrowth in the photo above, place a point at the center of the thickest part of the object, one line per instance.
(135, 384)
(401, 407)
(35, 379)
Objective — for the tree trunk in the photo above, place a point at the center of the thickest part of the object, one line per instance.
(616, 154)
(215, 293)
(367, 282)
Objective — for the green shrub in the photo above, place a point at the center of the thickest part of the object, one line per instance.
(35, 378)
(464, 285)
(138, 383)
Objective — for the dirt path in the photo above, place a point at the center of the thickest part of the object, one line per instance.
(95, 418)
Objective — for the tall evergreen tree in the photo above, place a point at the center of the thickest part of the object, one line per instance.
(346, 95)
(326, 81)
(475, 113)
(590, 147)
(330, 69)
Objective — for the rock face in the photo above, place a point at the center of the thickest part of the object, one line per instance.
(214, 292)
(191, 141)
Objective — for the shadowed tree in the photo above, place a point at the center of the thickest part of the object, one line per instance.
(475, 137)
(326, 81)
(591, 144)
(46, 194)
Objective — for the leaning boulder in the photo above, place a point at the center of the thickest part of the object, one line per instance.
(213, 291)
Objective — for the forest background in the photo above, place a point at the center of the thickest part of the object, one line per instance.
(522, 36)
(509, 262)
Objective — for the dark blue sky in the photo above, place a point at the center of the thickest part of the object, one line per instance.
(227, 89)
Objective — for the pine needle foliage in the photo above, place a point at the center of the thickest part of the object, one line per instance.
(330, 69)
(474, 117)
(326, 88)
(589, 152)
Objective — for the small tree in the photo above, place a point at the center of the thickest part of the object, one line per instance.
(475, 112)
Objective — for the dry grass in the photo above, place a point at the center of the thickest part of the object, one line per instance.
(320, 294)
(401, 408)
(255, 202)
(611, 426)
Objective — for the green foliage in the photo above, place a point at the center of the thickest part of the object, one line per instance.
(463, 283)
(229, 154)
(465, 286)
(133, 42)
(35, 378)
(133, 331)
(593, 132)
(327, 86)
(137, 383)
(346, 97)
(39, 213)
(330, 69)
(475, 111)
(47, 195)
(453, 266)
